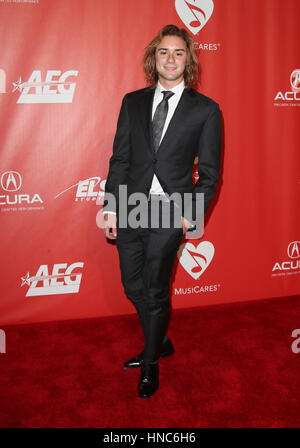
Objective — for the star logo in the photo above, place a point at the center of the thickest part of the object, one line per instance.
(26, 280)
(18, 85)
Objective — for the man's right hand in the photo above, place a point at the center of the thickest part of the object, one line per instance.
(110, 225)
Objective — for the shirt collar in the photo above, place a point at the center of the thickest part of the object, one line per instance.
(177, 89)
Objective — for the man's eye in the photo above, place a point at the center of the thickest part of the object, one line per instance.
(179, 54)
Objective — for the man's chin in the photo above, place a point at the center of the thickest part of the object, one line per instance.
(171, 76)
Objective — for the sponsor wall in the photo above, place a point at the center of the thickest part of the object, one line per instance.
(65, 66)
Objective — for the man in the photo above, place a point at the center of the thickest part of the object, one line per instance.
(160, 131)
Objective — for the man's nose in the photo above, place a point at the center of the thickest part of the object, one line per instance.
(171, 57)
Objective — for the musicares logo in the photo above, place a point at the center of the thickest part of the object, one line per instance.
(195, 260)
(194, 13)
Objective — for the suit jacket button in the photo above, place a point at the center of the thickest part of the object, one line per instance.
(154, 160)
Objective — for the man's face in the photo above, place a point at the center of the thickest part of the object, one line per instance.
(170, 57)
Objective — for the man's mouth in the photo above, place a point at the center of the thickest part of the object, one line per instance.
(170, 69)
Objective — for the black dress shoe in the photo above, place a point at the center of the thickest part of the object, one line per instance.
(167, 350)
(148, 383)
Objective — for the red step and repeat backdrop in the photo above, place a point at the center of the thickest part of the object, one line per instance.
(64, 68)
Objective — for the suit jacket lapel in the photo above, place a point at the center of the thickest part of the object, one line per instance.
(145, 111)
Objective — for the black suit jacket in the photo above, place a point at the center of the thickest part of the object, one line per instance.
(195, 129)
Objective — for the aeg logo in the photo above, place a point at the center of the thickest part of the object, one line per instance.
(51, 90)
(62, 280)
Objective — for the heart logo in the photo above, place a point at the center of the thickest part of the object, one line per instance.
(194, 13)
(195, 260)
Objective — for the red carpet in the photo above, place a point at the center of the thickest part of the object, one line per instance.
(233, 367)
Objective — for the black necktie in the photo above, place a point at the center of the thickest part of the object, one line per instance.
(160, 118)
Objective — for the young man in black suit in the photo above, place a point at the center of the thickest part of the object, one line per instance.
(160, 131)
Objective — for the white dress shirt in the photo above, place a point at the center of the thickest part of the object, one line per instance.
(156, 188)
(173, 102)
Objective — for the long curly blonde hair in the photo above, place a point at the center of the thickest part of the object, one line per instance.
(192, 68)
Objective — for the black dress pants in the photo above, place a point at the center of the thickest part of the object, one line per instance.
(146, 258)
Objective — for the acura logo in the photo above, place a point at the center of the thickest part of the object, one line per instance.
(11, 181)
(293, 249)
(295, 80)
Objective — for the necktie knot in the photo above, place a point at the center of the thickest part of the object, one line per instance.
(167, 94)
